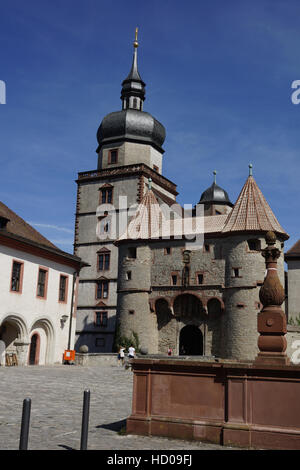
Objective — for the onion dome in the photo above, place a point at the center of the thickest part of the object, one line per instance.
(132, 123)
(215, 195)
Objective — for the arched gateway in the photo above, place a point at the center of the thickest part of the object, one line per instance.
(190, 341)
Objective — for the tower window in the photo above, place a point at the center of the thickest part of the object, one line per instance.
(102, 289)
(100, 342)
(200, 278)
(113, 156)
(134, 103)
(236, 272)
(101, 319)
(128, 275)
(167, 250)
(174, 279)
(106, 195)
(103, 261)
(131, 252)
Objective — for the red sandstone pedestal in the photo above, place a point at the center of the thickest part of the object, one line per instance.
(231, 403)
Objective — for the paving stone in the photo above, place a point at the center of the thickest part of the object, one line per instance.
(56, 394)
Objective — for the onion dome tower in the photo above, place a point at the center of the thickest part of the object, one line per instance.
(132, 124)
(215, 199)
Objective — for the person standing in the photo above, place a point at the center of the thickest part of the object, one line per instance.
(131, 352)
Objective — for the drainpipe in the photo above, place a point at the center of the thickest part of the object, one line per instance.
(71, 313)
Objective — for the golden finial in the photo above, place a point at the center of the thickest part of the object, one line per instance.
(136, 44)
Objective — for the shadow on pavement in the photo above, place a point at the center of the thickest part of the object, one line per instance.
(116, 426)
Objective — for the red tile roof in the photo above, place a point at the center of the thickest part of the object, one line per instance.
(18, 226)
(251, 212)
(293, 252)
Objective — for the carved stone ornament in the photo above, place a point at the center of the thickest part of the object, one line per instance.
(271, 321)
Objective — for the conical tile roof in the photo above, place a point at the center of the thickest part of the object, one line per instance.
(252, 213)
(147, 222)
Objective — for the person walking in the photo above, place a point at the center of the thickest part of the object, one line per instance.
(121, 356)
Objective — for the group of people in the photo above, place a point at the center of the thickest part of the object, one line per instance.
(121, 355)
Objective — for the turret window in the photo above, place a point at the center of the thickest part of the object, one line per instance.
(236, 272)
(253, 245)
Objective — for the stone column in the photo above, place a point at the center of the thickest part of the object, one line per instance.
(271, 321)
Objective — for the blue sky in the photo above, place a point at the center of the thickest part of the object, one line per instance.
(218, 76)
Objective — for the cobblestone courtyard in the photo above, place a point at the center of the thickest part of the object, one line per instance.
(56, 409)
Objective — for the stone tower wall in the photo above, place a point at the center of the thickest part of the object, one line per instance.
(242, 295)
(133, 296)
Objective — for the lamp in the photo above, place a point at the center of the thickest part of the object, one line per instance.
(63, 320)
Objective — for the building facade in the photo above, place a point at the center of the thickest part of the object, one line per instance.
(193, 299)
(292, 258)
(38, 284)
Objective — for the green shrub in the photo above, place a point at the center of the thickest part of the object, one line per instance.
(120, 340)
(294, 321)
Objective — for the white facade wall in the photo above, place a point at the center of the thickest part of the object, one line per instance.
(24, 314)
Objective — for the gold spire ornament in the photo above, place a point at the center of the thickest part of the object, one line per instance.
(136, 44)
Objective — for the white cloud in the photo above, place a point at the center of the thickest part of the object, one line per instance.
(54, 227)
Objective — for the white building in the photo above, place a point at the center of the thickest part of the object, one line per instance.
(38, 285)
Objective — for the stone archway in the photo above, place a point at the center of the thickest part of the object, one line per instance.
(191, 317)
(191, 341)
(44, 329)
(34, 349)
(14, 334)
